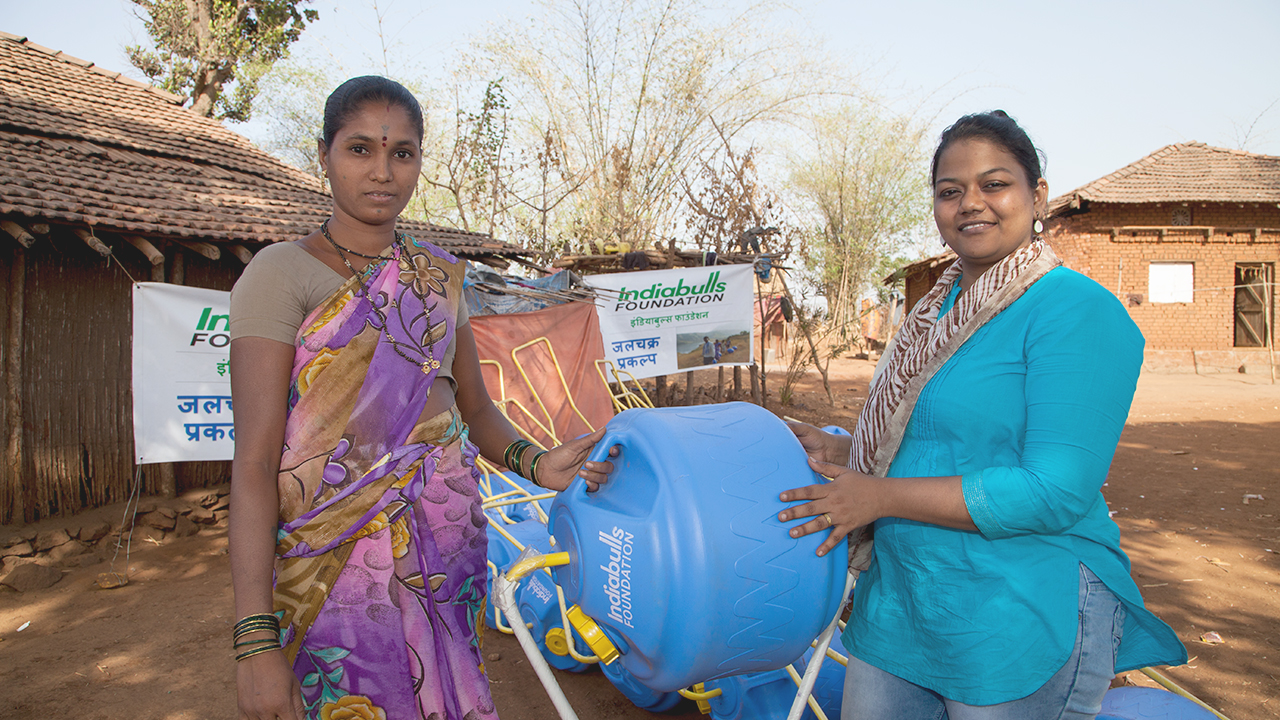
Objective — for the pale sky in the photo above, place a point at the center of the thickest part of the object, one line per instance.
(1097, 83)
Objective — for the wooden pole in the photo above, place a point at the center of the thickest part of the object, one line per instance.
(1269, 310)
(719, 384)
(755, 386)
(202, 248)
(243, 254)
(688, 388)
(13, 386)
(660, 389)
(737, 382)
(146, 248)
(166, 475)
(18, 232)
(92, 241)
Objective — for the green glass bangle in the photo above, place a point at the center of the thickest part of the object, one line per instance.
(533, 469)
(257, 617)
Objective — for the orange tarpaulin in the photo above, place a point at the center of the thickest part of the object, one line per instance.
(574, 333)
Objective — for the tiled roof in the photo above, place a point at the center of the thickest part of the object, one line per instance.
(920, 266)
(1185, 172)
(86, 146)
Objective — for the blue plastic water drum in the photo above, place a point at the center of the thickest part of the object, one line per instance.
(754, 696)
(769, 695)
(1135, 703)
(502, 553)
(680, 557)
(540, 607)
(641, 695)
(518, 511)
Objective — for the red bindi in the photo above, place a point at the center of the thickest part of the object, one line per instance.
(384, 141)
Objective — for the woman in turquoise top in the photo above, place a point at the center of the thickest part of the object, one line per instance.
(996, 586)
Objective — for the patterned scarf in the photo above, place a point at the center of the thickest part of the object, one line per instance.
(923, 346)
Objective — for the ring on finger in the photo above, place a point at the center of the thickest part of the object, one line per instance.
(830, 522)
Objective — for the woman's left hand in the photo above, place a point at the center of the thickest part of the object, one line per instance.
(843, 505)
(561, 463)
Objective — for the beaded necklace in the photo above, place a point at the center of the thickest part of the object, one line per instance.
(429, 363)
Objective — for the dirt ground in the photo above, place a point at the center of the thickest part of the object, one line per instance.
(1206, 562)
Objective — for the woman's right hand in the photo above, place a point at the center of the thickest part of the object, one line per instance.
(822, 445)
(267, 688)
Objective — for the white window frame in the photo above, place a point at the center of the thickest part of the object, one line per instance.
(1171, 282)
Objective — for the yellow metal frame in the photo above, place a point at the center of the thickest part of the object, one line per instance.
(632, 400)
(559, 373)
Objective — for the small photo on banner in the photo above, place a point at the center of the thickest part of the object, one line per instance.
(661, 322)
(181, 374)
(721, 346)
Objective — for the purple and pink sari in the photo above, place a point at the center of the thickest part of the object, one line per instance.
(380, 574)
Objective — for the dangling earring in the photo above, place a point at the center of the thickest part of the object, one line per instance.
(1037, 227)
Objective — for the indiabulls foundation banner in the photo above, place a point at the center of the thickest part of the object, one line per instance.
(181, 374)
(661, 322)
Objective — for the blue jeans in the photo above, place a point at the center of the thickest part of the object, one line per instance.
(1073, 693)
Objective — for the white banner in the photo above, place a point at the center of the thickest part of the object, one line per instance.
(181, 374)
(662, 322)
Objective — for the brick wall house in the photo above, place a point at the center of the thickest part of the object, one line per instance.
(1188, 238)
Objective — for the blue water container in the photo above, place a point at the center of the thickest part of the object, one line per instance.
(1139, 703)
(754, 696)
(769, 695)
(502, 553)
(680, 557)
(837, 430)
(518, 511)
(540, 607)
(638, 693)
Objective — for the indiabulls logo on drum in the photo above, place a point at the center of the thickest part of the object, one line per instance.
(617, 586)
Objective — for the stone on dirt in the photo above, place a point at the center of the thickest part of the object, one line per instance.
(92, 532)
(22, 549)
(68, 550)
(204, 516)
(157, 519)
(32, 576)
(50, 539)
(185, 528)
(24, 535)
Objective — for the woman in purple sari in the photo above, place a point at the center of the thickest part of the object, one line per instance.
(358, 554)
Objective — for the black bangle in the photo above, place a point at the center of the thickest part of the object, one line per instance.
(257, 651)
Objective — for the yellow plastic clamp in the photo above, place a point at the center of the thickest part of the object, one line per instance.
(594, 636)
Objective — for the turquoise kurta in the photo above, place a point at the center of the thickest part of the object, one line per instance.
(1028, 412)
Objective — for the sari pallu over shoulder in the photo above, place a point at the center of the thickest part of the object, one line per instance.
(381, 537)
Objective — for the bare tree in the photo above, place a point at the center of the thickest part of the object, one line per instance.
(470, 171)
(862, 182)
(728, 206)
(629, 89)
